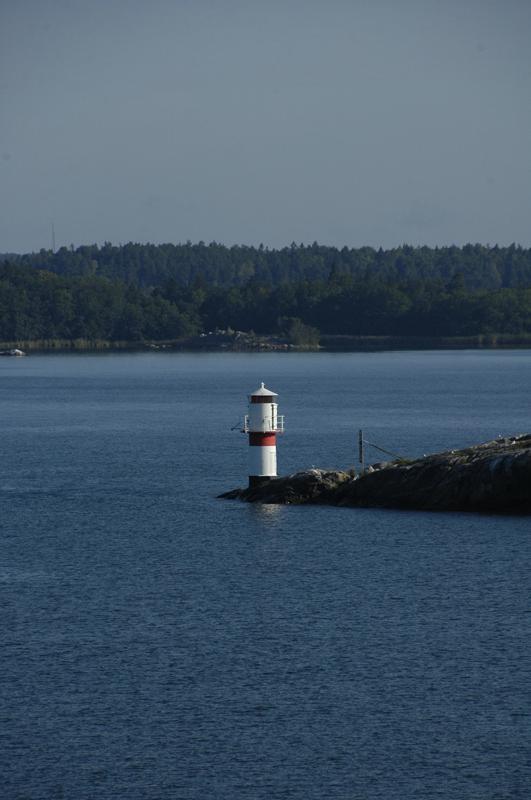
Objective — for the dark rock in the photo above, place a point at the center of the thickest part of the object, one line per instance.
(315, 486)
(490, 477)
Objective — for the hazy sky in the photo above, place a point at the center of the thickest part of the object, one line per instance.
(346, 122)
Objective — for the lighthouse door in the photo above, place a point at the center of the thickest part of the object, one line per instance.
(273, 463)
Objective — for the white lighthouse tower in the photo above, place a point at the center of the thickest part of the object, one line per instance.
(262, 424)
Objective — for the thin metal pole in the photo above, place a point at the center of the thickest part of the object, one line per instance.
(361, 450)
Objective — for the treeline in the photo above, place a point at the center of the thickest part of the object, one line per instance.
(38, 304)
(149, 266)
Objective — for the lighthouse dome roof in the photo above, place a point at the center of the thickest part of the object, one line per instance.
(263, 391)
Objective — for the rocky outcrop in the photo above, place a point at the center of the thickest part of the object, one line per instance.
(238, 340)
(492, 477)
(13, 352)
(317, 486)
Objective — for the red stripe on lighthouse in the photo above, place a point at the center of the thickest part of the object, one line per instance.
(262, 439)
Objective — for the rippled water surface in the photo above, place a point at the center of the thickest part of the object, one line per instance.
(160, 643)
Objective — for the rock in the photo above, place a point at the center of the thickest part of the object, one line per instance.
(238, 340)
(315, 486)
(490, 477)
(13, 352)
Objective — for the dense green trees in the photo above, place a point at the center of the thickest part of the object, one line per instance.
(146, 265)
(37, 304)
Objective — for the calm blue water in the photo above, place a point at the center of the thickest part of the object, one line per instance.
(159, 643)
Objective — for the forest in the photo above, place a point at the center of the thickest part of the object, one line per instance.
(416, 294)
(148, 266)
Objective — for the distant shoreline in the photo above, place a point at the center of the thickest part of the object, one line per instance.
(219, 342)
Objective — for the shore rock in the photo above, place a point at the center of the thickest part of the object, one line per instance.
(238, 340)
(317, 486)
(493, 477)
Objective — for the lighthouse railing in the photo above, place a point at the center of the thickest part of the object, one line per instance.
(273, 424)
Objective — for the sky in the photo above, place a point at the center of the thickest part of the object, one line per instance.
(346, 122)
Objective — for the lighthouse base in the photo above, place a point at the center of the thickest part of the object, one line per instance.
(258, 480)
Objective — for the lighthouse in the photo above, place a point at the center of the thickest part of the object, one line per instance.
(262, 424)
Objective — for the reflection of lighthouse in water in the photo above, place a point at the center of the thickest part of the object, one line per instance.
(262, 424)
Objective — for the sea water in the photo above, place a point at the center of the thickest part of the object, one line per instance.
(157, 642)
